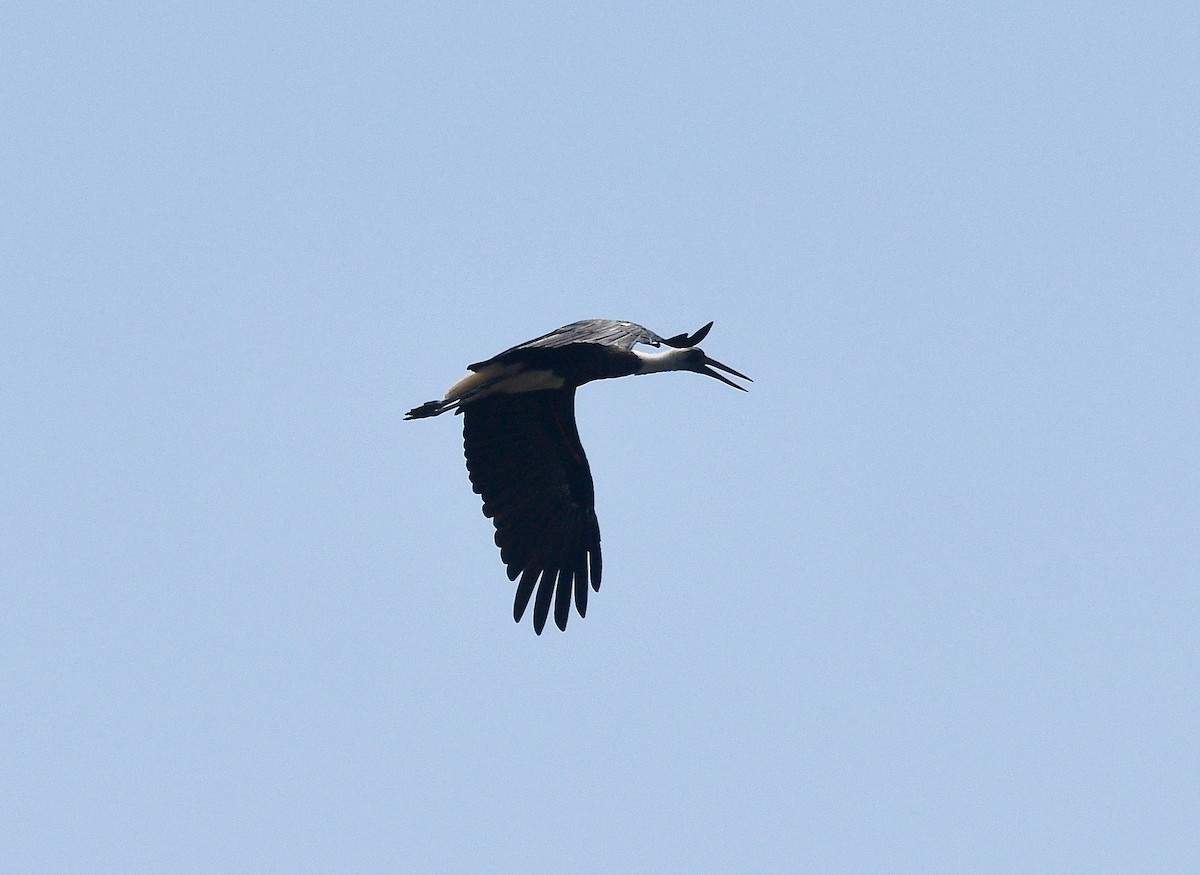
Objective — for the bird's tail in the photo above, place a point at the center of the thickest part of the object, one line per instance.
(473, 385)
(431, 408)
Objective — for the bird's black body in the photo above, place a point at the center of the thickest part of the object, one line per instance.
(525, 458)
(586, 362)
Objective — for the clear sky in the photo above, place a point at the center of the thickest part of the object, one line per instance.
(924, 600)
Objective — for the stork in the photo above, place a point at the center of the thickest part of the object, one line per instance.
(525, 459)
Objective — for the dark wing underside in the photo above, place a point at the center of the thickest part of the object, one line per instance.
(525, 460)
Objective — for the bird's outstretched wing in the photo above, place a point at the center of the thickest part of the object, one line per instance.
(526, 461)
(605, 332)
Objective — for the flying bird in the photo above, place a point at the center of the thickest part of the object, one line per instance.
(525, 459)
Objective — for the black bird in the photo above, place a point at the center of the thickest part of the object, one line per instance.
(524, 455)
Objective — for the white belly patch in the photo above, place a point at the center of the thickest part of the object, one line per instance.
(503, 378)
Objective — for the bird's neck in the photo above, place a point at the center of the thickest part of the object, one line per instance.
(656, 362)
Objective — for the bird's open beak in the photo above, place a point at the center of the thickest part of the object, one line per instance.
(707, 368)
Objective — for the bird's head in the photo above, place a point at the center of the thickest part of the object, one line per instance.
(684, 355)
(696, 359)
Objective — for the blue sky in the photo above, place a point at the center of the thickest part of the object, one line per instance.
(924, 600)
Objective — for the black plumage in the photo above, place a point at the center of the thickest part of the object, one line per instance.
(526, 462)
(525, 458)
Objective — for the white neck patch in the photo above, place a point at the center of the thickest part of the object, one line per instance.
(668, 360)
